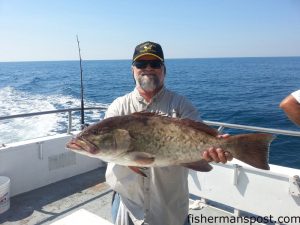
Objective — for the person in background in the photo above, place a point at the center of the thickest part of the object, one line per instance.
(163, 196)
(291, 106)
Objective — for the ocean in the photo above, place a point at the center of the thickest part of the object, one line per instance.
(244, 91)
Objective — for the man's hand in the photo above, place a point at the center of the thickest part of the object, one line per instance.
(217, 154)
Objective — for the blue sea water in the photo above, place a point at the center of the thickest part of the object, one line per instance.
(234, 90)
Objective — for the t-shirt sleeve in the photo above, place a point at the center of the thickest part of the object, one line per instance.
(113, 109)
(187, 110)
(296, 95)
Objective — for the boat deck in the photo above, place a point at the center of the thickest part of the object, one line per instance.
(55, 201)
(87, 191)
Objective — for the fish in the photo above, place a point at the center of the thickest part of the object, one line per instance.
(146, 139)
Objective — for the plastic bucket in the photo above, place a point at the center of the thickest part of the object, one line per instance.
(4, 194)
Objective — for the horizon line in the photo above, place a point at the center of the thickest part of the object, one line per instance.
(224, 57)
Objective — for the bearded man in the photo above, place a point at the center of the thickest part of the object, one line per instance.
(162, 196)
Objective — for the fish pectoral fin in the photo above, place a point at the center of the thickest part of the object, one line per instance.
(201, 165)
(142, 158)
(137, 170)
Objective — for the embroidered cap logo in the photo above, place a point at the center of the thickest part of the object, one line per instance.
(147, 48)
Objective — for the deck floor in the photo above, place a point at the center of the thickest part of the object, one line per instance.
(52, 202)
(86, 191)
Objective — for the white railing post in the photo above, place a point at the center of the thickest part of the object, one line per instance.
(294, 186)
(235, 174)
(220, 129)
(70, 121)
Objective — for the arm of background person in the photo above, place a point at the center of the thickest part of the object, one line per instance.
(291, 107)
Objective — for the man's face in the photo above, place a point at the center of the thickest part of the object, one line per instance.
(150, 76)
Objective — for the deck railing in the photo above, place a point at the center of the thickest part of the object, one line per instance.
(220, 125)
(69, 111)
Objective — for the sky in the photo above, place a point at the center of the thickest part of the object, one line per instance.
(39, 30)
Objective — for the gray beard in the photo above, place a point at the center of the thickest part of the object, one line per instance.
(148, 82)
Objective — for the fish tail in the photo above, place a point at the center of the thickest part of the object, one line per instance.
(252, 149)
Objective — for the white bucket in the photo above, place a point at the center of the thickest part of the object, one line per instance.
(4, 194)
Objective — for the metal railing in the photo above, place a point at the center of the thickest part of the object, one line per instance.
(220, 125)
(252, 128)
(69, 111)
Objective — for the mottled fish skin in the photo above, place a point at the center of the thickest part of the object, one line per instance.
(150, 140)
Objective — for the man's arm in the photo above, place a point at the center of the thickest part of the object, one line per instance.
(291, 107)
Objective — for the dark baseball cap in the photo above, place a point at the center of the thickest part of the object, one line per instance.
(148, 48)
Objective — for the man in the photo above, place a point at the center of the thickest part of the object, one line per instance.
(162, 197)
(291, 107)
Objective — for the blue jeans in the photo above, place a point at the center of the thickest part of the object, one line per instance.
(115, 207)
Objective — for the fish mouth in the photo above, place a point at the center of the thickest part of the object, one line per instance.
(81, 145)
(73, 145)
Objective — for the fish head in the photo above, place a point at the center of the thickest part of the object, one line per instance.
(104, 143)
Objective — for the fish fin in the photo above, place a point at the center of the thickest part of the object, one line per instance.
(146, 113)
(137, 170)
(200, 126)
(142, 158)
(201, 165)
(252, 149)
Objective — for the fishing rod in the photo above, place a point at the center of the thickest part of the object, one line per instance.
(81, 88)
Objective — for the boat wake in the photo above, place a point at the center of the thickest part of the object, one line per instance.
(19, 129)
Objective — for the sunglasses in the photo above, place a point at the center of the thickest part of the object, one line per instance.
(142, 64)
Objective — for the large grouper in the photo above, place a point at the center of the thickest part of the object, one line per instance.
(150, 140)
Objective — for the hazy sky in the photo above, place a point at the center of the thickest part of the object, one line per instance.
(46, 29)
